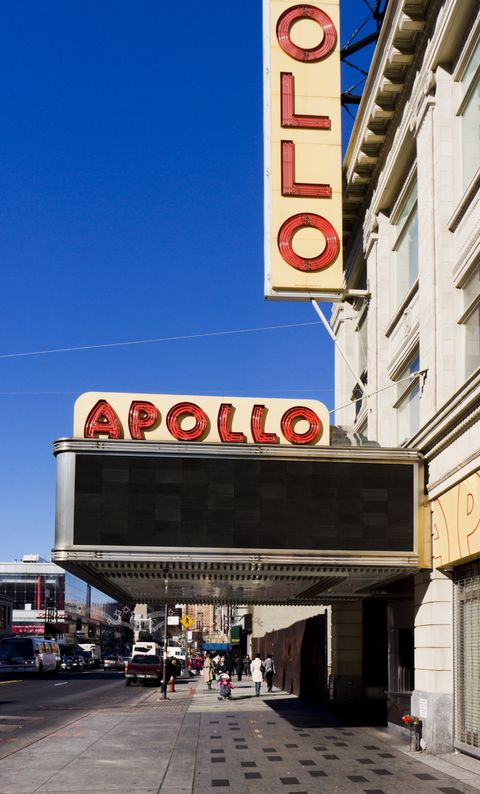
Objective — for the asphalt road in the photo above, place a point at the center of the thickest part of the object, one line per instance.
(31, 708)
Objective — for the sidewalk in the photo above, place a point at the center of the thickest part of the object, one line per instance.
(192, 743)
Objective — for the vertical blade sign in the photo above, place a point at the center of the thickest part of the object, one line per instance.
(303, 182)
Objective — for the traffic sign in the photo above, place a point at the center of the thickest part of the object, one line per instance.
(186, 621)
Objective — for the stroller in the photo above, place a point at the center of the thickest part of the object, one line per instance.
(225, 687)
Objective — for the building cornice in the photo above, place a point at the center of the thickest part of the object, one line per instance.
(394, 81)
(388, 75)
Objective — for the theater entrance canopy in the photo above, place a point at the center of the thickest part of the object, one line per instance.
(233, 521)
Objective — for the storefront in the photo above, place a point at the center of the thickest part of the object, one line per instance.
(457, 549)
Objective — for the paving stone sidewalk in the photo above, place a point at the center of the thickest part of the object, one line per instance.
(192, 743)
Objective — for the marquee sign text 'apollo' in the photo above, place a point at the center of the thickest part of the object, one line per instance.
(236, 420)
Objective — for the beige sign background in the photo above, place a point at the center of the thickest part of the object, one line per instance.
(457, 522)
(317, 152)
(240, 418)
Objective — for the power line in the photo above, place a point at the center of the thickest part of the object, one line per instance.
(155, 341)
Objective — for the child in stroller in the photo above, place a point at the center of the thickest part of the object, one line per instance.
(225, 687)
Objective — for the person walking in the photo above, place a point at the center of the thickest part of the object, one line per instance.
(239, 667)
(269, 671)
(256, 670)
(209, 672)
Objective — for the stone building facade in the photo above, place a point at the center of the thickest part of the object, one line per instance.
(412, 229)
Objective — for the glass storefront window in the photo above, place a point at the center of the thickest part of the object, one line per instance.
(76, 596)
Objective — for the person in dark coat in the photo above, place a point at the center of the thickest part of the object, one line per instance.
(239, 667)
(172, 669)
(269, 665)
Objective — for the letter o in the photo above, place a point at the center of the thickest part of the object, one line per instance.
(300, 412)
(284, 26)
(320, 262)
(187, 409)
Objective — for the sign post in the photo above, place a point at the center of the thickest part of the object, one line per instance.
(165, 638)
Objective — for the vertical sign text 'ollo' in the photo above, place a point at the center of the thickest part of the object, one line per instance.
(303, 190)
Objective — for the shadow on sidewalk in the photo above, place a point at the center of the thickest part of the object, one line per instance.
(302, 714)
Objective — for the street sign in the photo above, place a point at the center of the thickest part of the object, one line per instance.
(186, 621)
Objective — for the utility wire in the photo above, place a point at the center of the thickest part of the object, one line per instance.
(156, 341)
(373, 393)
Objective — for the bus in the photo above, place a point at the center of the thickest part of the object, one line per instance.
(24, 654)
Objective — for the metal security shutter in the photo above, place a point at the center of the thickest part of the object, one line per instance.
(467, 658)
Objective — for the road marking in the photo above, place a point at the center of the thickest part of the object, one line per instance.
(11, 682)
(62, 683)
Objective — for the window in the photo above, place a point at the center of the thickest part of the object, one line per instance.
(361, 338)
(470, 320)
(469, 113)
(406, 245)
(408, 400)
(362, 343)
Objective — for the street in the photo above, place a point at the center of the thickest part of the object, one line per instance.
(33, 707)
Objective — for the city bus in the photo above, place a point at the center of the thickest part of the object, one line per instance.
(23, 654)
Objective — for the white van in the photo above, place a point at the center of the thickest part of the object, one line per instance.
(147, 649)
(154, 649)
(176, 652)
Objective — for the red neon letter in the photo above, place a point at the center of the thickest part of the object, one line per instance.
(180, 410)
(224, 415)
(292, 188)
(284, 27)
(324, 259)
(141, 416)
(288, 115)
(102, 420)
(289, 419)
(258, 421)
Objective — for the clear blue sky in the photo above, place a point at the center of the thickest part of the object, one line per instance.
(131, 207)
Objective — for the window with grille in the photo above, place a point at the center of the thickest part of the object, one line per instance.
(467, 656)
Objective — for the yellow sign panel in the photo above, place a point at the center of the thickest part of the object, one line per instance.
(456, 535)
(302, 129)
(193, 418)
(186, 621)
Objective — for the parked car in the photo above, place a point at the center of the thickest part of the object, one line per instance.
(113, 662)
(144, 669)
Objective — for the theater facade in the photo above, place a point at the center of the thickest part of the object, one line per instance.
(288, 520)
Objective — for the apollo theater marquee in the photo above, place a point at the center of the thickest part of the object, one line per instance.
(243, 500)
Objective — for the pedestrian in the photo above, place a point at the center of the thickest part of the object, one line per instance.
(246, 665)
(230, 663)
(209, 672)
(172, 668)
(269, 671)
(220, 667)
(239, 667)
(257, 670)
